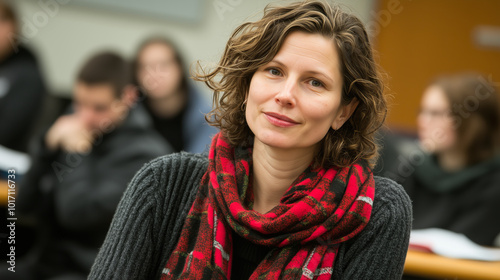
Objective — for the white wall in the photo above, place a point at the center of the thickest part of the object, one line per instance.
(64, 35)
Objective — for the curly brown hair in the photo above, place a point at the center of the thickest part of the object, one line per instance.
(254, 44)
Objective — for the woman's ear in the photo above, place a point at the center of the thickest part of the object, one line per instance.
(345, 112)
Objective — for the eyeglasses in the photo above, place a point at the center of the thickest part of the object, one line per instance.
(434, 114)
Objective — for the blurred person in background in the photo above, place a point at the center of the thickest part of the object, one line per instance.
(457, 185)
(177, 109)
(81, 168)
(22, 87)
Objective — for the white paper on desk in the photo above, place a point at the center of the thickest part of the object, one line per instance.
(452, 245)
(14, 159)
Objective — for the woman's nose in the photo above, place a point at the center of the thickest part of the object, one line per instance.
(287, 95)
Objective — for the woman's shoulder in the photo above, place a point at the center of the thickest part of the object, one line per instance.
(386, 188)
(391, 199)
(170, 170)
(179, 163)
(179, 160)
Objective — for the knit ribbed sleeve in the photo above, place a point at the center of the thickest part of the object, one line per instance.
(146, 224)
(379, 251)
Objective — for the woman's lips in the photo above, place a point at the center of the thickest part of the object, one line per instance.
(279, 120)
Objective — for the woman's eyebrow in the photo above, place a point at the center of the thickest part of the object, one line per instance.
(312, 72)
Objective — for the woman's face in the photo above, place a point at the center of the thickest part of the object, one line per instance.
(435, 124)
(295, 99)
(158, 72)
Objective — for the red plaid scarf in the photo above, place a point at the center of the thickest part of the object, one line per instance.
(322, 208)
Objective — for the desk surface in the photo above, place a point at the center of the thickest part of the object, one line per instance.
(4, 188)
(431, 265)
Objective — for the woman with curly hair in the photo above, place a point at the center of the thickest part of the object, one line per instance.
(286, 190)
(456, 184)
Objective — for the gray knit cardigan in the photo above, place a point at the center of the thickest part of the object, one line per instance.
(150, 216)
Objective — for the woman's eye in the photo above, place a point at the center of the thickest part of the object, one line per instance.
(274, 72)
(315, 83)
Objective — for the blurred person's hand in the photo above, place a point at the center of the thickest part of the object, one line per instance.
(69, 133)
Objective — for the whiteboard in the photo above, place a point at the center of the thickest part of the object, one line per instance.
(181, 10)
